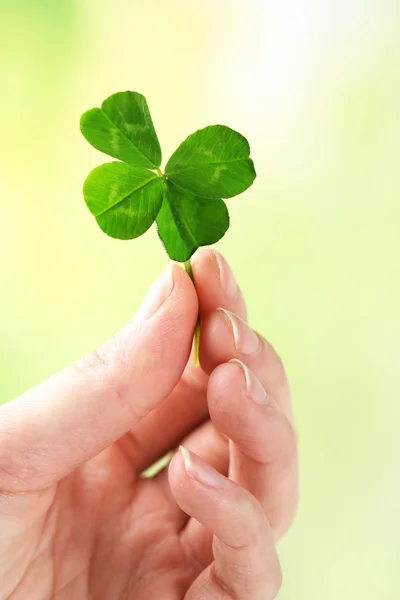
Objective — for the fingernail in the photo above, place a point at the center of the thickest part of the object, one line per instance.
(157, 295)
(199, 470)
(246, 340)
(226, 276)
(254, 388)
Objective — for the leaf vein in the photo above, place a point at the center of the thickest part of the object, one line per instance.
(125, 197)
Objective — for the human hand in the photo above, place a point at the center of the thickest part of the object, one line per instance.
(78, 522)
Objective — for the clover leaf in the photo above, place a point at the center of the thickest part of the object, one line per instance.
(124, 199)
(186, 201)
(123, 128)
(212, 162)
(186, 222)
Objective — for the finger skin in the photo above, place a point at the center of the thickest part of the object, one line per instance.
(49, 431)
(186, 407)
(213, 448)
(264, 449)
(218, 346)
(216, 285)
(246, 565)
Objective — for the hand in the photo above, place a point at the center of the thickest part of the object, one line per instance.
(78, 522)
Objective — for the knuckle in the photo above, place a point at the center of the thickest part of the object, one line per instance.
(255, 529)
(106, 370)
(242, 572)
(219, 582)
(97, 361)
(101, 367)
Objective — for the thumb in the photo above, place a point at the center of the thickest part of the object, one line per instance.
(52, 429)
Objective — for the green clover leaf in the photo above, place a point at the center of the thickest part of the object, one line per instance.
(186, 202)
(186, 222)
(124, 199)
(212, 162)
(123, 128)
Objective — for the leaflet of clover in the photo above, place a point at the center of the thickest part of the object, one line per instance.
(186, 222)
(213, 162)
(123, 128)
(124, 199)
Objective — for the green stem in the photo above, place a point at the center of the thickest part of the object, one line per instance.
(159, 172)
(196, 337)
(188, 268)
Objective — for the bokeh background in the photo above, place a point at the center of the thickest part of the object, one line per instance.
(315, 86)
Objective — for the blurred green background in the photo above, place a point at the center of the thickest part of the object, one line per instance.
(315, 87)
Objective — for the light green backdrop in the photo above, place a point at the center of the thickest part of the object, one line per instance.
(315, 87)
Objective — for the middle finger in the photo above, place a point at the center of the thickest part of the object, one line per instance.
(249, 402)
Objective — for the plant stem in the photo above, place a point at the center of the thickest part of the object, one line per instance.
(196, 337)
(159, 172)
(188, 268)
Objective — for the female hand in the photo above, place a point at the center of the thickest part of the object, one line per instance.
(77, 522)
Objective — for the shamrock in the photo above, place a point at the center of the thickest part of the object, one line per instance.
(128, 195)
